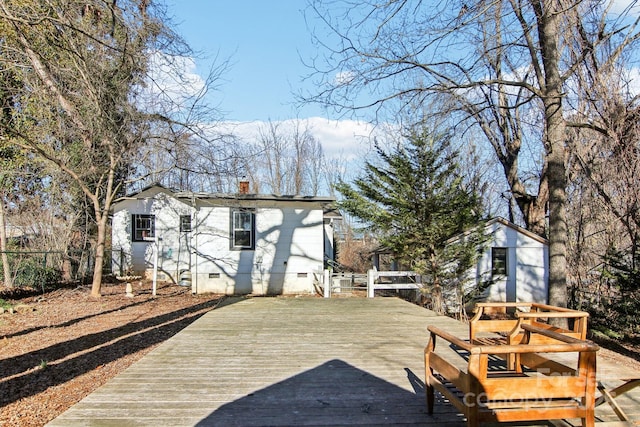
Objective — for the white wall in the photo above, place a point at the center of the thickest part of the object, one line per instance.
(289, 246)
(289, 249)
(173, 246)
(527, 265)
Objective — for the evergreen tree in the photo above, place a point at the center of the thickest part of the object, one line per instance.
(417, 201)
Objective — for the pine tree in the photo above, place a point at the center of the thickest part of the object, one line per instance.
(417, 202)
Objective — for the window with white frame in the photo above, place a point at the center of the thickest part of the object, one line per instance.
(499, 262)
(242, 229)
(143, 227)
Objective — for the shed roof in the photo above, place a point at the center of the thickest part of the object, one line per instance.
(519, 229)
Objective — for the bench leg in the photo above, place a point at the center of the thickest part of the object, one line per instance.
(430, 399)
(608, 397)
(588, 422)
(428, 374)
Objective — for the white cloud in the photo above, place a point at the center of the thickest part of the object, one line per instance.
(348, 140)
(344, 78)
(621, 6)
(172, 81)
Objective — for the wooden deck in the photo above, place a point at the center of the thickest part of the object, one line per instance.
(289, 362)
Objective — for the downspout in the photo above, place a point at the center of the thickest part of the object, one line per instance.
(195, 279)
(192, 251)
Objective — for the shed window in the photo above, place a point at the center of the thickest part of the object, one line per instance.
(242, 229)
(185, 223)
(499, 262)
(143, 227)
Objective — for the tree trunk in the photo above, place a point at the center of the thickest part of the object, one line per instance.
(557, 227)
(6, 268)
(533, 208)
(96, 285)
(548, 28)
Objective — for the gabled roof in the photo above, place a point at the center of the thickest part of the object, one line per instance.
(499, 220)
(519, 229)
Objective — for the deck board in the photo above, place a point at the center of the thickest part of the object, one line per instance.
(284, 362)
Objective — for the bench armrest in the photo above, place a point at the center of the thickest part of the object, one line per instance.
(567, 314)
(435, 331)
(584, 345)
(503, 304)
(554, 308)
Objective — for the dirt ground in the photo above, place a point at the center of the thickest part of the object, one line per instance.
(59, 347)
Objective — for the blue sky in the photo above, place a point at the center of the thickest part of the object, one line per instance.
(264, 41)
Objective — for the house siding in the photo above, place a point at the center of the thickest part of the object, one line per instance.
(527, 265)
(288, 250)
(173, 246)
(289, 244)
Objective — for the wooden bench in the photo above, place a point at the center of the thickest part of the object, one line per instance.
(542, 387)
(510, 328)
(530, 313)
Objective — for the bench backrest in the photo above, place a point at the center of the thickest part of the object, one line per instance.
(533, 315)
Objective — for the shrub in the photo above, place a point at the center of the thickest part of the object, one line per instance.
(30, 272)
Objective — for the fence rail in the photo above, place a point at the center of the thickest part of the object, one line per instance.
(335, 283)
(392, 280)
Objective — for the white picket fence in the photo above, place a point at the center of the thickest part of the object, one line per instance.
(374, 280)
(392, 280)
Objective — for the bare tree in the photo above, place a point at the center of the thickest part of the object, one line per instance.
(292, 158)
(8, 281)
(504, 58)
(306, 160)
(273, 145)
(84, 68)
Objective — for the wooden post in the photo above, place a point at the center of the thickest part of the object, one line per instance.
(327, 283)
(121, 262)
(370, 279)
(156, 249)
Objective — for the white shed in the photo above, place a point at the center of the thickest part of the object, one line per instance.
(514, 264)
(226, 243)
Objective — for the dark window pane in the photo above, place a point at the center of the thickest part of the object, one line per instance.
(242, 239)
(185, 223)
(144, 226)
(499, 261)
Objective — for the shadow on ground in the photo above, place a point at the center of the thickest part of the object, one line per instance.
(59, 363)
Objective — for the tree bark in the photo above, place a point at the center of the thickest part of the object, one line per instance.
(6, 268)
(96, 285)
(548, 14)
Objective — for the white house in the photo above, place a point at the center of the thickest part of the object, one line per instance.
(515, 264)
(226, 243)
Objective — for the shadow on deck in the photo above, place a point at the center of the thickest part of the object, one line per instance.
(286, 362)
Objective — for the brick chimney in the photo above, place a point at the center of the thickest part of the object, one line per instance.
(244, 187)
